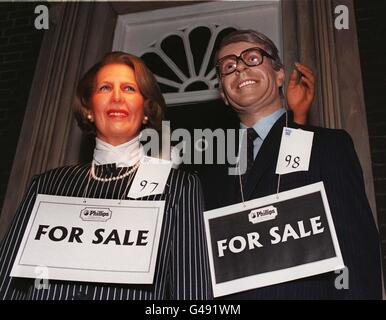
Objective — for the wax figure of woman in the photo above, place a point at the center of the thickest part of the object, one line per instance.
(115, 99)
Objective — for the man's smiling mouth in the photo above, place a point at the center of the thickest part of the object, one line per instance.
(246, 83)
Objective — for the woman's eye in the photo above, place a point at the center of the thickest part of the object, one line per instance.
(104, 88)
(128, 88)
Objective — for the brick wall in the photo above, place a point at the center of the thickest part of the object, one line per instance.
(371, 25)
(19, 48)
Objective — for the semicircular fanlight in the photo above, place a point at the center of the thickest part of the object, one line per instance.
(183, 61)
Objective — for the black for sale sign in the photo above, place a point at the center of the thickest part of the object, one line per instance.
(270, 240)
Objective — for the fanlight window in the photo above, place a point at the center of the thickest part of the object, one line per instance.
(183, 63)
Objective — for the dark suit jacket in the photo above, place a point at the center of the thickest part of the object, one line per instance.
(333, 161)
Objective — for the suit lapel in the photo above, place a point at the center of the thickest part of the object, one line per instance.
(266, 159)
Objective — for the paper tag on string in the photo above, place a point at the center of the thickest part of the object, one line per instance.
(150, 178)
(295, 151)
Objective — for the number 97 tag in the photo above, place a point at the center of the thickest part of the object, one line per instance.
(150, 178)
(295, 150)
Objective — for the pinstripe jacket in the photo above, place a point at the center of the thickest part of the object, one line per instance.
(181, 269)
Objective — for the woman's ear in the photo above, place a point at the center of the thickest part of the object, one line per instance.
(90, 117)
(88, 114)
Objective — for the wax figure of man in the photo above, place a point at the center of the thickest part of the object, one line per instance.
(251, 84)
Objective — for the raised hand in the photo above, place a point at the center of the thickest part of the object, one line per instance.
(300, 92)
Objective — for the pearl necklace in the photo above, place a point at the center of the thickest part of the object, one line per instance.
(92, 173)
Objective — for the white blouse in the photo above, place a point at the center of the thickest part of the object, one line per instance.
(123, 155)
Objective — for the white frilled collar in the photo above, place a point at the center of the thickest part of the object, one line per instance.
(123, 155)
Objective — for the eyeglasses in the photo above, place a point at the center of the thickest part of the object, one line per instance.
(251, 57)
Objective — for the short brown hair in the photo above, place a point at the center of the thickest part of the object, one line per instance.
(154, 105)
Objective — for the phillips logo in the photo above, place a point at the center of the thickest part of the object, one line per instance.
(95, 214)
(262, 214)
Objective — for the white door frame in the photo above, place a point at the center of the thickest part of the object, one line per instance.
(140, 33)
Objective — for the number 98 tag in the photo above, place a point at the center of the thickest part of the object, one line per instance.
(295, 151)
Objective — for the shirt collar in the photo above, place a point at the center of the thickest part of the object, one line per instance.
(265, 124)
(123, 155)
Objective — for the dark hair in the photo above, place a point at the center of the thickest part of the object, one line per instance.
(253, 37)
(154, 103)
